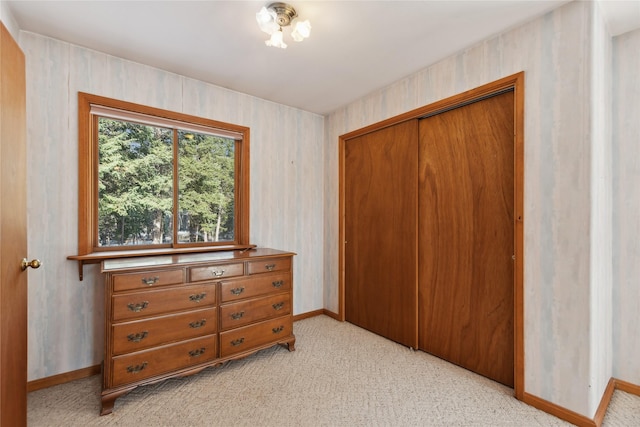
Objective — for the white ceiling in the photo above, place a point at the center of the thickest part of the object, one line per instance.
(355, 47)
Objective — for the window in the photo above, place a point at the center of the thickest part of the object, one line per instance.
(151, 179)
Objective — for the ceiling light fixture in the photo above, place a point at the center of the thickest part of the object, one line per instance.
(274, 17)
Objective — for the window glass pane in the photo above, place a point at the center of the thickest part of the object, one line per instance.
(206, 193)
(135, 184)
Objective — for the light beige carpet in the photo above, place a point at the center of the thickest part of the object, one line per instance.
(339, 375)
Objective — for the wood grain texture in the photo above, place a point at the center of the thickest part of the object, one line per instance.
(466, 238)
(556, 208)
(128, 337)
(13, 233)
(155, 334)
(627, 387)
(145, 364)
(598, 418)
(380, 232)
(558, 411)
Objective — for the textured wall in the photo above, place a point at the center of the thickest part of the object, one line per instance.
(564, 55)
(626, 206)
(8, 20)
(601, 225)
(554, 51)
(65, 315)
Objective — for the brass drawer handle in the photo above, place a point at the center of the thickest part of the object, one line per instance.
(134, 369)
(238, 315)
(137, 337)
(217, 273)
(237, 342)
(150, 280)
(278, 329)
(277, 283)
(198, 324)
(270, 267)
(197, 297)
(197, 352)
(139, 306)
(278, 306)
(237, 291)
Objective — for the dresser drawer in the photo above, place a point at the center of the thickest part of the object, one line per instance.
(260, 285)
(248, 337)
(144, 364)
(245, 312)
(269, 265)
(125, 282)
(197, 274)
(140, 334)
(162, 301)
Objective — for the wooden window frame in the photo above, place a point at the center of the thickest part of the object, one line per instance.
(88, 248)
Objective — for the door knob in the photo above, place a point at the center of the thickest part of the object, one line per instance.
(34, 263)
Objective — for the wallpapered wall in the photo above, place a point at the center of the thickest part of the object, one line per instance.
(7, 19)
(562, 329)
(65, 314)
(601, 220)
(294, 201)
(626, 206)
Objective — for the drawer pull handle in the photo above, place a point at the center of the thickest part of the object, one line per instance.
(198, 324)
(237, 342)
(134, 369)
(278, 329)
(197, 352)
(217, 273)
(139, 306)
(238, 315)
(137, 337)
(237, 291)
(197, 297)
(270, 267)
(150, 280)
(277, 283)
(278, 306)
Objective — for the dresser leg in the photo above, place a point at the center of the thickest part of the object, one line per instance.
(291, 344)
(107, 404)
(109, 398)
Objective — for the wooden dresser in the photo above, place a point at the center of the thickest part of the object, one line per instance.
(174, 315)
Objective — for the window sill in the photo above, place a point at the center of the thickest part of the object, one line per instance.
(97, 257)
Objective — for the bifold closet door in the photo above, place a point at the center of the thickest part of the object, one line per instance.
(381, 203)
(466, 236)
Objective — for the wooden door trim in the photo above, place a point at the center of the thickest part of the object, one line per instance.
(516, 83)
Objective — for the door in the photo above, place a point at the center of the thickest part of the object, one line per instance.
(13, 234)
(466, 229)
(380, 176)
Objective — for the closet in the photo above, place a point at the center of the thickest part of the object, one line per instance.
(429, 244)
(382, 205)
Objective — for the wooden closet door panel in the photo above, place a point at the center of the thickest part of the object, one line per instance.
(381, 178)
(466, 240)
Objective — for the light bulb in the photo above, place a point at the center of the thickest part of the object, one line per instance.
(266, 21)
(302, 31)
(276, 40)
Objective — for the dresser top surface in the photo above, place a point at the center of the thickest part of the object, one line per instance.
(119, 264)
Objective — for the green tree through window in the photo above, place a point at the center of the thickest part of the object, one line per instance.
(152, 178)
(206, 184)
(135, 185)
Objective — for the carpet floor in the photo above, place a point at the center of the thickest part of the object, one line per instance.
(339, 375)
